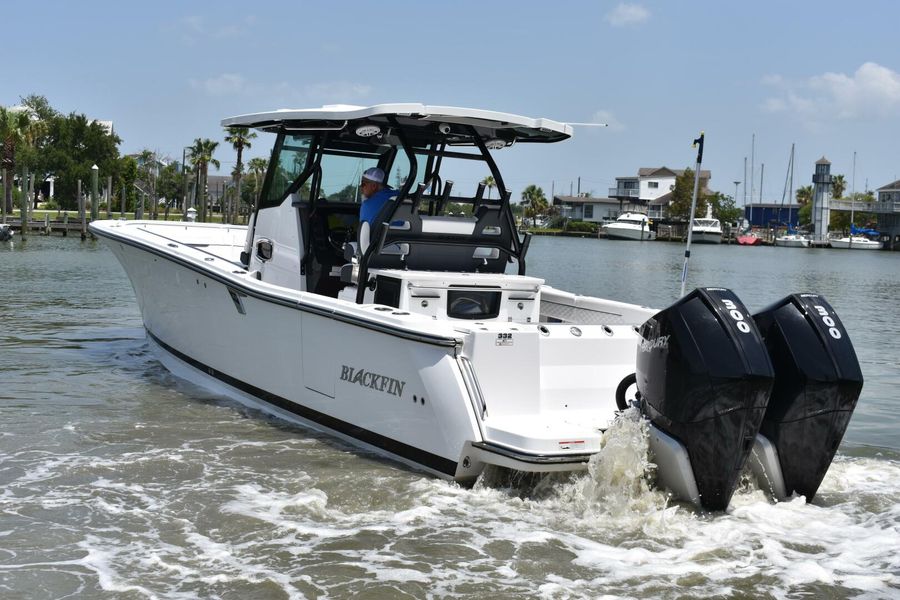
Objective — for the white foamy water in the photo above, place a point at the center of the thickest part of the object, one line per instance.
(119, 481)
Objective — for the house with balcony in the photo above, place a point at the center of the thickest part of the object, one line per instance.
(651, 190)
(889, 192)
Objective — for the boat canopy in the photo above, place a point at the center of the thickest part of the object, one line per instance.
(492, 126)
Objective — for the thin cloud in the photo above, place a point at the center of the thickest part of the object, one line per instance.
(195, 28)
(281, 93)
(624, 15)
(226, 84)
(873, 91)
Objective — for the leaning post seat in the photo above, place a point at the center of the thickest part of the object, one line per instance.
(482, 243)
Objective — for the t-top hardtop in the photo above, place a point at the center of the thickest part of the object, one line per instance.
(415, 142)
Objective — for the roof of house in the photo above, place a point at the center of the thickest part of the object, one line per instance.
(662, 200)
(891, 186)
(666, 171)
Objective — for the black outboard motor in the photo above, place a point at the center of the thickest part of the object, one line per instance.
(704, 377)
(817, 384)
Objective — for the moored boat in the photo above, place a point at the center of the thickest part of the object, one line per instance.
(400, 333)
(749, 239)
(706, 231)
(630, 226)
(792, 240)
(854, 242)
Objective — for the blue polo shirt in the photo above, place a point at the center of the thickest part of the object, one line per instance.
(373, 205)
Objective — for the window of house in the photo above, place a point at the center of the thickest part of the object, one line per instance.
(653, 185)
(588, 211)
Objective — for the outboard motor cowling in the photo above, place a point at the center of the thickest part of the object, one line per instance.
(704, 378)
(817, 384)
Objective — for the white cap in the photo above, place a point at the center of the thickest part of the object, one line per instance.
(374, 174)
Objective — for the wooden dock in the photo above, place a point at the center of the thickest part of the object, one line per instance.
(50, 226)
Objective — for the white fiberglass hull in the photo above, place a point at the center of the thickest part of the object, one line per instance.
(856, 243)
(706, 237)
(433, 394)
(616, 231)
(792, 241)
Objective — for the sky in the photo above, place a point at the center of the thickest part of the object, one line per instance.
(822, 75)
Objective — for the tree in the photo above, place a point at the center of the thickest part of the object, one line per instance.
(148, 171)
(804, 215)
(804, 195)
(682, 196)
(348, 194)
(490, 183)
(73, 145)
(13, 127)
(535, 202)
(838, 186)
(239, 138)
(201, 153)
(862, 217)
(258, 167)
(170, 182)
(723, 207)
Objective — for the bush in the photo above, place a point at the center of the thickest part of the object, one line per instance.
(582, 227)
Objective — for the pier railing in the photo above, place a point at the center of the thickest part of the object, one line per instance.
(873, 207)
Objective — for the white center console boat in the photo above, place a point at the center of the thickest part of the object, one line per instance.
(630, 226)
(423, 338)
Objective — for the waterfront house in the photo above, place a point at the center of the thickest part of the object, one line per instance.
(889, 192)
(651, 190)
(585, 207)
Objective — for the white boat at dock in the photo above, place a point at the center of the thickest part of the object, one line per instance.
(854, 242)
(706, 230)
(420, 336)
(792, 240)
(630, 226)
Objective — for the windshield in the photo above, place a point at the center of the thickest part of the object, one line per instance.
(291, 155)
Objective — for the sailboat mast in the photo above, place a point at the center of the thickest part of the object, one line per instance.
(791, 192)
(752, 173)
(852, 195)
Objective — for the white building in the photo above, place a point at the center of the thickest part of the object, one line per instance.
(652, 189)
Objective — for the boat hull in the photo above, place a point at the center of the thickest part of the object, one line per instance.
(792, 242)
(855, 244)
(706, 237)
(431, 394)
(614, 232)
(281, 355)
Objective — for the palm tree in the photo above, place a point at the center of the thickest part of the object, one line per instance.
(838, 186)
(258, 167)
(148, 167)
(804, 194)
(490, 183)
(14, 125)
(239, 138)
(201, 157)
(534, 200)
